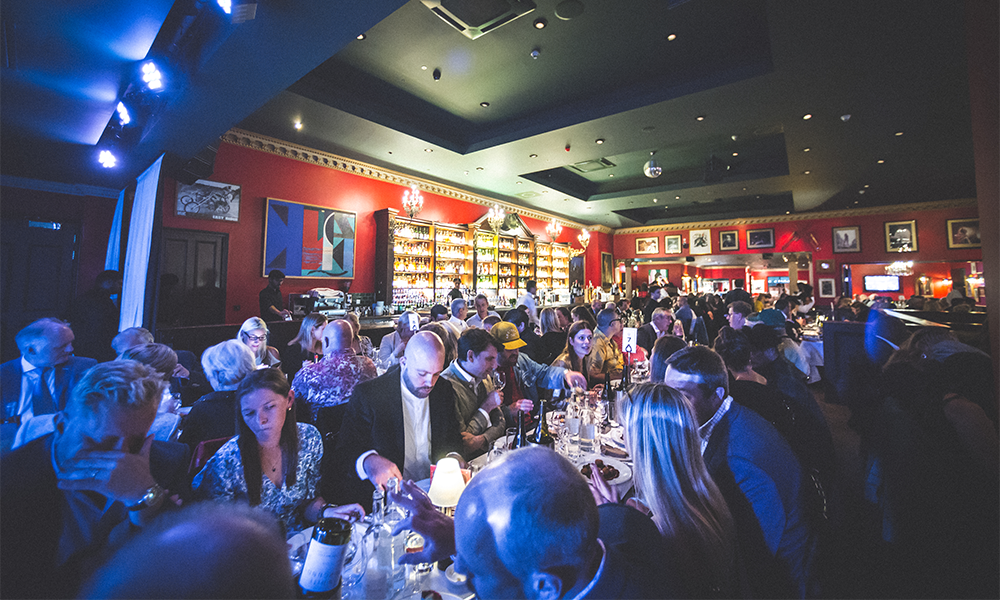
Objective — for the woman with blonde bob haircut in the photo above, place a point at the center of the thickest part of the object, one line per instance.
(670, 477)
(254, 334)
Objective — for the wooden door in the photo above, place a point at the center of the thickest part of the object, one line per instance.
(192, 285)
(38, 260)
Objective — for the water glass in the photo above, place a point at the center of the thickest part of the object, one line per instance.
(574, 414)
(588, 431)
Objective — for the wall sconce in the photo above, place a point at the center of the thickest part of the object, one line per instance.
(584, 239)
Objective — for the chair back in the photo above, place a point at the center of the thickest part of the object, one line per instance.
(203, 452)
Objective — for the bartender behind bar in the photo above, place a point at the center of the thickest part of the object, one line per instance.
(272, 306)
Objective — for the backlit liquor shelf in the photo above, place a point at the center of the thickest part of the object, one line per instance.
(417, 262)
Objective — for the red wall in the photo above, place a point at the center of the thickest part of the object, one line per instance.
(932, 241)
(93, 214)
(262, 175)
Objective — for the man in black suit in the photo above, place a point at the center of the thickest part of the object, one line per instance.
(37, 384)
(757, 473)
(527, 527)
(398, 424)
(65, 495)
(738, 294)
(661, 323)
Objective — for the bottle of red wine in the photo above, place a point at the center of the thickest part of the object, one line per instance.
(542, 437)
(325, 559)
(521, 439)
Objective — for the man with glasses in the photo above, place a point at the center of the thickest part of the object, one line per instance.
(605, 359)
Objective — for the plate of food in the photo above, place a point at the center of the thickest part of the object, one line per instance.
(613, 471)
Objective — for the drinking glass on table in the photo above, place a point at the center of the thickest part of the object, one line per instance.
(499, 381)
(574, 414)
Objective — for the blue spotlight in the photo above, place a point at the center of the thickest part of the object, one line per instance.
(227, 6)
(107, 159)
(123, 116)
(152, 76)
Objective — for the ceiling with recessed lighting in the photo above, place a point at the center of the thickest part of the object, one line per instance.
(564, 118)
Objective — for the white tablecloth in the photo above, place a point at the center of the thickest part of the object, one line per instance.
(813, 349)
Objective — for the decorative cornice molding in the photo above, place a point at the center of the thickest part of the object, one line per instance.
(807, 216)
(70, 189)
(262, 143)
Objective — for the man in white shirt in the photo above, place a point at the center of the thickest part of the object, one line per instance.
(392, 346)
(398, 424)
(528, 299)
(459, 310)
(482, 312)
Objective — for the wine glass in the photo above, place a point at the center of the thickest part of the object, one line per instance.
(499, 381)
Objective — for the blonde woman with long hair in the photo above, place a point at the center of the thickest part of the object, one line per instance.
(671, 479)
(254, 334)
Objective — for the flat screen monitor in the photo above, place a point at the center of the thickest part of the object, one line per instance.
(776, 281)
(881, 283)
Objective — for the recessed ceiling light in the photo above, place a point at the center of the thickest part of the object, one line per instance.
(880, 161)
(677, 197)
(540, 23)
(861, 191)
(734, 137)
(532, 156)
(806, 117)
(589, 207)
(899, 133)
(545, 191)
(484, 104)
(736, 153)
(788, 212)
(599, 141)
(867, 186)
(611, 174)
(655, 200)
(428, 150)
(466, 172)
(480, 169)
(845, 118)
(671, 37)
(518, 182)
(699, 118)
(806, 149)
(806, 172)
(423, 67)
(362, 36)
(298, 125)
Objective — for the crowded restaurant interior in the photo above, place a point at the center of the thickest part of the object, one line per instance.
(398, 299)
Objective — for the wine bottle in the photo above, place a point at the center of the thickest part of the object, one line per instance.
(542, 437)
(325, 559)
(521, 439)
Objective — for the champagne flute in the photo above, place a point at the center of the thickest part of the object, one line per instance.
(499, 381)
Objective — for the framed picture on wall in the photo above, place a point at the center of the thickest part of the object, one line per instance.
(672, 244)
(647, 245)
(303, 240)
(607, 269)
(760, 238)
(901, 236)
(657, 275)
(210, 200)
(827, 287)
(701, 241)
(963, 233)
(847, 239)
(729, 240)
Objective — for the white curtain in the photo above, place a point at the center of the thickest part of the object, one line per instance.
(115, 242)
(140, 233)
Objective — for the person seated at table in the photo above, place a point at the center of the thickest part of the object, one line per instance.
(490, 321)
(331, 381)
(553, 339)
(361, 344)
(605, 358)
(447, 336)
(737, 314)
(582, 313)
(790, 348)
(254, 334)
(130, 338)
(274, 461)
(65, 494)
(663, 348)
(306, 347)
(579, 341)
(676, 490)
(476, 401)
(209, 550)
(525, 329)
(527, 527)
(392, 347)
(523, 377)
(213, 416)
(400, 423)
(661, 323)
(758, 475)
(482, 305)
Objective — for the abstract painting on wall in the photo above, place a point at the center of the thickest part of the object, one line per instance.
(303, 240)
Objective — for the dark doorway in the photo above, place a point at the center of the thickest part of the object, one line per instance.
(38, 262)
(192, 288)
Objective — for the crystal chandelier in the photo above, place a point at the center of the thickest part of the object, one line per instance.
(413, 201)
(900, 268)
(553, 229)
(495, 218)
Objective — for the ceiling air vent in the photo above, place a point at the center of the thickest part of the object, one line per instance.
(589, 166)
(475, 18)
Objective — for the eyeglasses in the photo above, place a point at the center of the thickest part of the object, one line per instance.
(256, 338)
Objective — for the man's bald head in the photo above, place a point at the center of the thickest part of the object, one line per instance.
(422, 363)
(213, 551)
(527, 521)
(337, 335)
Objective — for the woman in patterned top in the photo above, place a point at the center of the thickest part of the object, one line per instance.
(274, 461)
